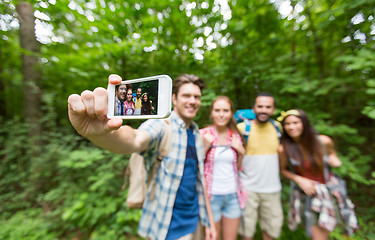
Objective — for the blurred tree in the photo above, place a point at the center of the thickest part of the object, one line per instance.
(32, 92)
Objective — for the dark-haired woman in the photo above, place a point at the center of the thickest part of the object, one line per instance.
(224, 150)
(305, 152)
(147, 107)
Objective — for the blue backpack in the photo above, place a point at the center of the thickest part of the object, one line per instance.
(242, 114)
(246, 115)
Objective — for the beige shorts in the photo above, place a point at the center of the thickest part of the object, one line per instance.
(267, 208)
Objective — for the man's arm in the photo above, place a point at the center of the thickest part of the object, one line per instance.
(87, 113)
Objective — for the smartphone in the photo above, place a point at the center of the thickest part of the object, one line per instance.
(141, 98)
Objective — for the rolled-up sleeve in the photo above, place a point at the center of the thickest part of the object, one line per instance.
(155, 127)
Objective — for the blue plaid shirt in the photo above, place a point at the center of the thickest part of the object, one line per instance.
(157, 213)
(118, 106)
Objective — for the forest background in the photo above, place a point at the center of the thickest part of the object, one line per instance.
(315, 55)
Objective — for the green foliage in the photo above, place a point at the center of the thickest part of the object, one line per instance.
(319, 58)
(15, 167)
(94, 203)
(354, 169)
(27, 224)
(79, 190)
(208, 96)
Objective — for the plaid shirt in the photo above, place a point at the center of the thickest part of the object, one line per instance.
(118, 105)
(321, 203)
(209, 164)
(337, 188)
(157, 212)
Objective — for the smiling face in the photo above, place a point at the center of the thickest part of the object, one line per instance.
(221, 113)
(129, 95)
(145, 97)
(121, 93)
(264, 108)
(187, 102)
(139, 92)
(293, 126)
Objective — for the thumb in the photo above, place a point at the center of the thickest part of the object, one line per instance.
(114, 79)
(114, 123)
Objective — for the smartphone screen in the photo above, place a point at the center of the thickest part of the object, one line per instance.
(140, 98)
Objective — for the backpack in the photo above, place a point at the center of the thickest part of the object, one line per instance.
(242, 114)
(139, 180)
(246, 115)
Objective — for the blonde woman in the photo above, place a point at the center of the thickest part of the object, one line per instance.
(224, 151)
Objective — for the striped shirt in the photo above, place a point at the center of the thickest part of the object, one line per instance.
(157, 212)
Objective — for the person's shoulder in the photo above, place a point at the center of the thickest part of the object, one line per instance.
(205, 130)
(241, 126)
(324, 139)
(152, 124)
(236, 134)
(277, 123)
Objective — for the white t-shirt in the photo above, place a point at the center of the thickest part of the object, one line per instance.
(261, 173)
(261, 163)
(224, 181)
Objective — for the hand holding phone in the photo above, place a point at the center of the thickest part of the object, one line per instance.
(141, 98)
(87, 112)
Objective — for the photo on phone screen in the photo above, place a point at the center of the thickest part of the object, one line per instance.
(140, 98)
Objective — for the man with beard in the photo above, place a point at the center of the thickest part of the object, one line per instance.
(120, 93)
(138, 102)
(260, 174)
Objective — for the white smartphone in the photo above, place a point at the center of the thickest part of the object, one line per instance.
(141, 98)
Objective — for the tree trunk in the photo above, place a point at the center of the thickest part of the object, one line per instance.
(3, 110)
(30, 71)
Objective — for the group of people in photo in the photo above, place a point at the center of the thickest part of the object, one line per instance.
(129, 103)
(227, 175)
(242, 173)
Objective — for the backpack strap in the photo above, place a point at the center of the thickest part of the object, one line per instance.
(246, 132)
(166, 141)
(165, 145)
(277, 128)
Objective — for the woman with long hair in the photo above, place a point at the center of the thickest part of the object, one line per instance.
(129, 104)
(147, 107)
(224, 151)
(306, 153)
